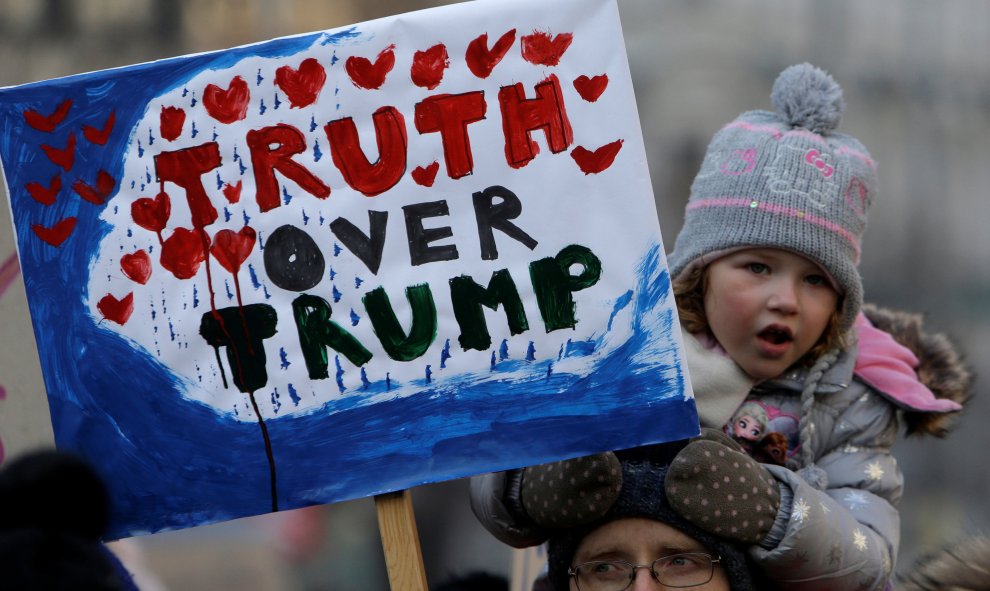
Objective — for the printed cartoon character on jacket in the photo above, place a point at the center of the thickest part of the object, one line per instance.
(784, 358)
(766, 433)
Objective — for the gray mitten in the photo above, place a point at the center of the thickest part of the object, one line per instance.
(719, 488)
(571, 492)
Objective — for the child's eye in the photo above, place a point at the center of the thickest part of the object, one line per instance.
(758, 268)
(816, 280)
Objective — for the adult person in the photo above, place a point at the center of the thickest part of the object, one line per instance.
(631, 538)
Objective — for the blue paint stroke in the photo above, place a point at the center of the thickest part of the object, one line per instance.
(339, 374)
(579, 348)
(254, 277)
(445, 354)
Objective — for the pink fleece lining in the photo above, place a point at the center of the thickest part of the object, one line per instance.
(789, 211)
(887, 366)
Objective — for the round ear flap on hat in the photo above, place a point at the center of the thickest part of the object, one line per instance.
(570, 493)
(723, 491)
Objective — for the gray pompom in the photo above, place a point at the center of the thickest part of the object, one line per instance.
(808, 97)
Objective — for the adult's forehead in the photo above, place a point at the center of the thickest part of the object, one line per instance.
(627, 535)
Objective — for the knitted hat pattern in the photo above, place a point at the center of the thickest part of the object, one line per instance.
(642, 495)
(788, 180)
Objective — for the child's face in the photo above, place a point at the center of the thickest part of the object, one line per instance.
(767, 307)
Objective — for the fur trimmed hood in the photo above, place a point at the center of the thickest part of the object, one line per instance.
(941, 369)
(960, 566)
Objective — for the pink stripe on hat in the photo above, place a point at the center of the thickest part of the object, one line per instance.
(779, 209)
(775, 132)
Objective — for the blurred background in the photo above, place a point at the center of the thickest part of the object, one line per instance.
(917, 85)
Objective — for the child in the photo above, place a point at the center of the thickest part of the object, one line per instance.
(769, 295)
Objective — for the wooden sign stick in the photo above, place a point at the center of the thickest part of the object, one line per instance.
(400, 540)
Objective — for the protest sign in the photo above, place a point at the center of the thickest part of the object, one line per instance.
(346, 263)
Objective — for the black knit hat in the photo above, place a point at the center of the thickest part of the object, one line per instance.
(642, 495)
(54, 507)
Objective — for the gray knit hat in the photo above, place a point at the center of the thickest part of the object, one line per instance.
(785, 180)
(642, 495)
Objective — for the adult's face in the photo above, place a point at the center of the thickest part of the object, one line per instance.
(641, 541)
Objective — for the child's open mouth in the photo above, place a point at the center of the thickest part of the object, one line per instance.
(777, 335)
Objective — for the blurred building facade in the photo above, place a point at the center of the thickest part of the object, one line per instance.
(917, 85)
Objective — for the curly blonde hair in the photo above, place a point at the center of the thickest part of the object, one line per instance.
(689, 295)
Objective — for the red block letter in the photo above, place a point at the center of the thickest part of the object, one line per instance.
(520, 116)
(186, 168)
(359, 172)
(450, 115)
(266, 160)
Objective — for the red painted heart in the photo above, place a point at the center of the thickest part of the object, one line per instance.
(136, 266)
(56, 234)
(428, 66)
(99, 136)
(302, 86)
(594, 162)
(590, 88)
(96, 195)
(152, 214)
(371, 76)
(116, 310)
(45, 195)
(227, 105)
(183, 252)
(170, 122)
(232, 192)
(480, 60)
(48, 123)
(425, 176)
(63, 157)
(541, 50)
(231, 248)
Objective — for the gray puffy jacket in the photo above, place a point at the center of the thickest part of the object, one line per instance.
(838, 527)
